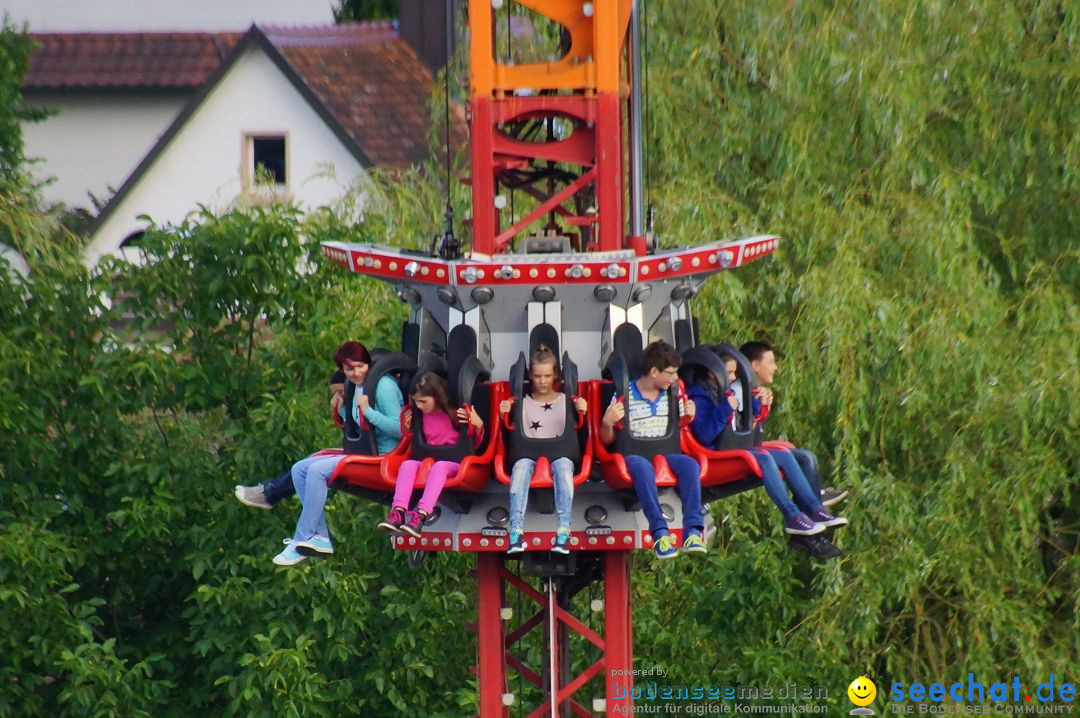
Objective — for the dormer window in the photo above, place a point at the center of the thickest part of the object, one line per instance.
(266, 160)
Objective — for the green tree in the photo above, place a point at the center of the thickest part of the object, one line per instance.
(359, 10)
(919, 162)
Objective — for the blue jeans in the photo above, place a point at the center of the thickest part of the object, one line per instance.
(807, 461)
(310, 476)
(279, 488)
(688, 485)
(772, 462)
(562, 475)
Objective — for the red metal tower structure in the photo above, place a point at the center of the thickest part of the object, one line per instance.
(566, 133)
(587, 89)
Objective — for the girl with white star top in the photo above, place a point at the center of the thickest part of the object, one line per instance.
(543, 416)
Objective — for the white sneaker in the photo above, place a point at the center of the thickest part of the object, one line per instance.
(252, 496)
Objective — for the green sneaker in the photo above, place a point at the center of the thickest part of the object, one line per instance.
(693, 543)
(665, 547)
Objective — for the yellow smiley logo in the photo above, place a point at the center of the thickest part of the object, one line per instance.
(862, 691)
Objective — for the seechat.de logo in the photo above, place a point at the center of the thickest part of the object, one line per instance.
(862, 692)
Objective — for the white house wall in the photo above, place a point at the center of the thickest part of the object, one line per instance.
(95, 140)
(165, 15)
(202, 163)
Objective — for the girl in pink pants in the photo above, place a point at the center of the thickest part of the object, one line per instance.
(441, 427)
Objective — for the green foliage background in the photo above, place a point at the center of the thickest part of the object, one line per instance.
(920, 161)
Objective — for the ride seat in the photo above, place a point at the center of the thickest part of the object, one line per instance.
(543, 450)
(732, 468)
(360, 472)
(474, 389)
(613, 464)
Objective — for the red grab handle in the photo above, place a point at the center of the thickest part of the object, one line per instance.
(580, 415)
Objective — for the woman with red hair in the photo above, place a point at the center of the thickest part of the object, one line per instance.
(311, 475)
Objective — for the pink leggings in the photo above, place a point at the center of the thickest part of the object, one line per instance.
(436, 479)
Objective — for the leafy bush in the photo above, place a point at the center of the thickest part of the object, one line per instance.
(919, 161)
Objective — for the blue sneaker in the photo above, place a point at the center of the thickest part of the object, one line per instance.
(562, 543)
(289, 556)
(314, 545)
(517, 542)
(693, 543)
(665, 547)
(822, 516)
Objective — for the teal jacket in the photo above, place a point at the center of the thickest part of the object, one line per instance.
(384, 414)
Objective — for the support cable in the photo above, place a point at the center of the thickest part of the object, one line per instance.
(449, 246)
(553, 648)
(647, 125)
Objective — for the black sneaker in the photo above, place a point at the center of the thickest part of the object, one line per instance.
(815, 546)
(393, 521)
(562, 541)
(414, 523)
(831, 496)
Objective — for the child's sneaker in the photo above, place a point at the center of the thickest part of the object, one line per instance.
(414, 523)
(693, 543)
(392, 522)
(562, 543)
(289, 556)
(801, 525)
(823, 517)
(831, 496)
(665, 547)
(517, 542)
(314, 545)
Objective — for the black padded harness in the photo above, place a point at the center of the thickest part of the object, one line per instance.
(360, 439)
(617, 369)
(519, 446)
(470, 372)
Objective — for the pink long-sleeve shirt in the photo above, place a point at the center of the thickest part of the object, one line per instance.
(441, 430)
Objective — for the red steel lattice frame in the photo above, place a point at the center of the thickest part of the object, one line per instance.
(496, 642)
(586, 86)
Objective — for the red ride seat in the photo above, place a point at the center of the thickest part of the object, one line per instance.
(476, 468)
(541, 477)
(612, 464)
(359, 471)
(777, 444)
(721, 467)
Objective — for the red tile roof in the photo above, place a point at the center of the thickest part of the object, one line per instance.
(370, 80)
(366, 82)
(127, 60)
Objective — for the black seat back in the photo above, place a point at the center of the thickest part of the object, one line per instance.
(357, 439)
(627, 341)
(410, 339)
(470, 387)
(544, 334)
(460, 346)
(684, 335)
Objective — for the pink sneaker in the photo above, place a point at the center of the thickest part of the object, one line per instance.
(392, 522)
(414, 523)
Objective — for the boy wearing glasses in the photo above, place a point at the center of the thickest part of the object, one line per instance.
(649, 418)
